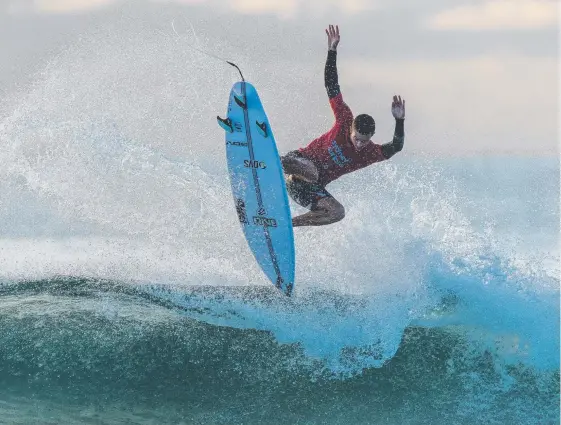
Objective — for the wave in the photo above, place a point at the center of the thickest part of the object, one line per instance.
(211, 353)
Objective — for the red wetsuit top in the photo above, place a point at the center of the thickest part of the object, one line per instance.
(333, 153)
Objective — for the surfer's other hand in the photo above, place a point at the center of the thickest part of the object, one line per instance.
(398, 108)
(333, 37)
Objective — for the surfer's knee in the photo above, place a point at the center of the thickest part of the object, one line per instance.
(301, 167)
(288, 163)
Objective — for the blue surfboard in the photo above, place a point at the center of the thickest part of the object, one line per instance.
(258, 186)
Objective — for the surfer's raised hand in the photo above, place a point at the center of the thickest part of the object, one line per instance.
(398, 108)
(333, 37)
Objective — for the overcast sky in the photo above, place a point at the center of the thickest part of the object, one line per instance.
(478, 76)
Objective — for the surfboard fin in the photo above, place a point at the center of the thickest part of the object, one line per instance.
(240, 102)
(262, 128)
(226, 124)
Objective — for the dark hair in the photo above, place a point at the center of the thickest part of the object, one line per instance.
(364, 124)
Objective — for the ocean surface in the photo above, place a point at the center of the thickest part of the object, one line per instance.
(128, 294)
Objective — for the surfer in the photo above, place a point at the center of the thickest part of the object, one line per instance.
(345, 148)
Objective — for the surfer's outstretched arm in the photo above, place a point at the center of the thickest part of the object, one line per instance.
(340, 109)
(331, 77)
(396, 145)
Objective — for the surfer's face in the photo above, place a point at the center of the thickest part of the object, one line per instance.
(360, 140)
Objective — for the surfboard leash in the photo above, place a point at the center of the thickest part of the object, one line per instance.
(206, 53)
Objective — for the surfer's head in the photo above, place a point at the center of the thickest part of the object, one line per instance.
(362, 130)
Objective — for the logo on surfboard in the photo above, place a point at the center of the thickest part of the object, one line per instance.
(264, 221)
(234, 143)
(248, 163)
(240, 209)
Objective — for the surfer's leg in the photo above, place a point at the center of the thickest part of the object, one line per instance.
(327, 210)
(324, 208)
(296, 164)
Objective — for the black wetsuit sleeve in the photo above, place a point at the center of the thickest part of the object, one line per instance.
(331, 77)
(390, 149)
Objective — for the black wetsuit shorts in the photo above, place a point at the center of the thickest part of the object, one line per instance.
(304, 193)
